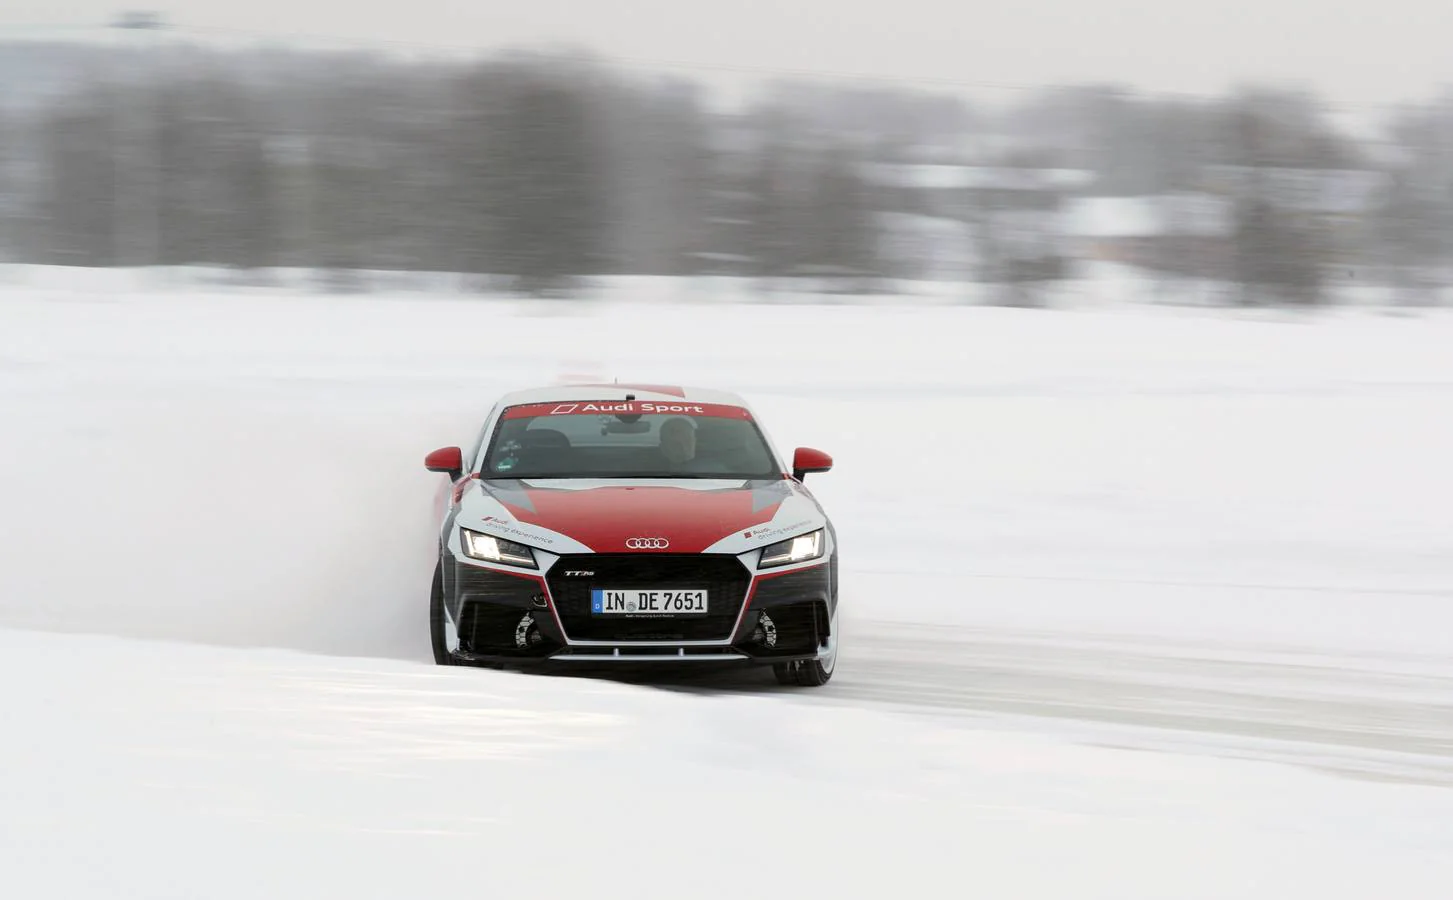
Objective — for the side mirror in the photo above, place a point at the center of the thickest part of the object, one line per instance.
(449, 460)
(806, 460)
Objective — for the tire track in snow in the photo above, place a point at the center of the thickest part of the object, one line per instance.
(1372, 716)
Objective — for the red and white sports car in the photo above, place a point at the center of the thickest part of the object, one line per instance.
(632, 523)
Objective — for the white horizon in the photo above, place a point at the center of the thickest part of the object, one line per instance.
(1346, 52)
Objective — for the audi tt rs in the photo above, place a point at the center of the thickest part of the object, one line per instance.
(632, 524)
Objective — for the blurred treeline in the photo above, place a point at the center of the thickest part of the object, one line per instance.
(534, 169)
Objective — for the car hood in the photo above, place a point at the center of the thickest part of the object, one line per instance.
(646, 515)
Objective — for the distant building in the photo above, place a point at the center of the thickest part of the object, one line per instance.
(976, 222)
(1186, 233)
(964, 192)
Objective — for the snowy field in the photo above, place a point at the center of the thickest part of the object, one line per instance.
(1177, 619)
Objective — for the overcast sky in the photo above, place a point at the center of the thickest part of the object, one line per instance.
(1351, 50)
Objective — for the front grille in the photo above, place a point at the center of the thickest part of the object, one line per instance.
(722, 576)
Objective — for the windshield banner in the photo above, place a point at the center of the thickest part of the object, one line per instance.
(625, 408)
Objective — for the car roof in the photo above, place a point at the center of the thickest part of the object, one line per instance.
(565, 393)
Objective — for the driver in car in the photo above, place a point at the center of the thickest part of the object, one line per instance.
(678, 447)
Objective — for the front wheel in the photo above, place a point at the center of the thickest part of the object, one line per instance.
(437, 622)
(811, 672)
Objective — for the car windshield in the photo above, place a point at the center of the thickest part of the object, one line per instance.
(614, 439)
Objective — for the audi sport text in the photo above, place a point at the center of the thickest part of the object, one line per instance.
(632, 524)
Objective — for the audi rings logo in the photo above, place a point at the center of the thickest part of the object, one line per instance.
(647, 543)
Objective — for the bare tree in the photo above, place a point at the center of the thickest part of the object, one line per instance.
(1279, 252)
(545, 185)
(1414, 226)
(841, 231)
(77, 206)
(774, 190)
(11, 208)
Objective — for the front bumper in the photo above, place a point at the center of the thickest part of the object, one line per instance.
(503, 617)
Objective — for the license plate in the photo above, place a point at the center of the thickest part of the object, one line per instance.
(607, 602)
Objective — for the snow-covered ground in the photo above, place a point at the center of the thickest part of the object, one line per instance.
(1108, 573)
(149, 771)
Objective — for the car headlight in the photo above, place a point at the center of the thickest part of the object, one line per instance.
(493, 549)
(792, 550)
